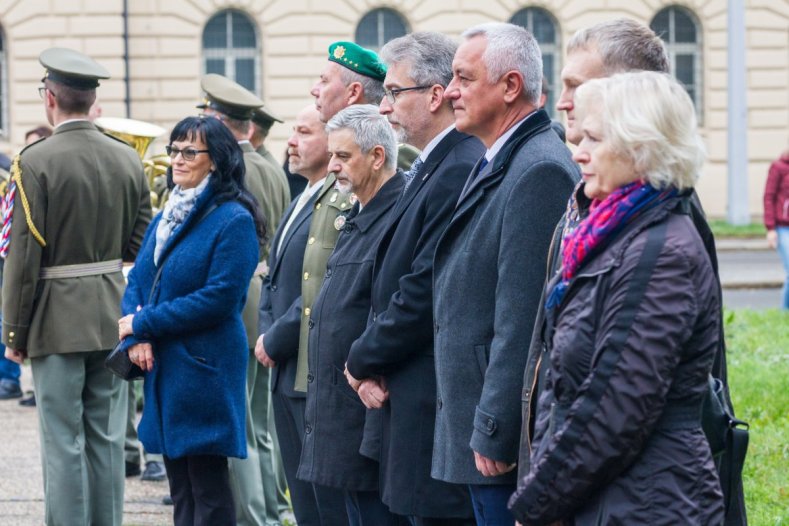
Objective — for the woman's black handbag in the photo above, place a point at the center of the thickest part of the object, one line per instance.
(120, 365)
(118, 361)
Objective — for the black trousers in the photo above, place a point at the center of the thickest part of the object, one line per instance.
(313, 504)
(200, 488)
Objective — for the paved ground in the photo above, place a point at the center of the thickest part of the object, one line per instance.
(752, 276)
(21, 486)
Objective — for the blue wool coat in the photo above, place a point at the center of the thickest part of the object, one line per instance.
(195, 394)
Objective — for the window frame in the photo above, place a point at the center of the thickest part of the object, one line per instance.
(696, 49)
(381, 23)
(554, 49)
(229, 54)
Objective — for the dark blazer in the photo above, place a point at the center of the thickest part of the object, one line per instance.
(335, 416)
(489, 271)
(398, 344)
(280, 299)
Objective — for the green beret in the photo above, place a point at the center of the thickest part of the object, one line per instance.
(228, 97)
(71, 68)
(356, 58)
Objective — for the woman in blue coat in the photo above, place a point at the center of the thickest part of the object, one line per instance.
(187, 335)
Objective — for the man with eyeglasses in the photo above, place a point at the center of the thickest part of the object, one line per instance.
(255, 483)
(394, 355)
(81, 205)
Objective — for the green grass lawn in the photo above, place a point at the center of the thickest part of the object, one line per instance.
(758, 359)
(723, 229)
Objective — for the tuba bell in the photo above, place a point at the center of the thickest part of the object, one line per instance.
(139, 135)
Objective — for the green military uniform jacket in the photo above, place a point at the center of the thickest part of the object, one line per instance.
(273, 195)
(323, 235)
(89, 199)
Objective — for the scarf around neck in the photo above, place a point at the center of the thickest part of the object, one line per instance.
(604, 222)
(176, 210)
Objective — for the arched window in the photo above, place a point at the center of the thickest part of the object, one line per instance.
(378, 27)
(681, 32)
(543, 26)
(230, 48)
(3, 88)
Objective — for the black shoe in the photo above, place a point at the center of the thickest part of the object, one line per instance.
(29, 401)
(9, 389)
(132, 469)
(167, 500)
(154, 470)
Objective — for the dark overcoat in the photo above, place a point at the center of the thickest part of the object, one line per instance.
(398, 343)
(195, 396)
(621, 443)
(489, 272)
(335, 416)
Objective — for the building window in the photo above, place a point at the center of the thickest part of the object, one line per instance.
(378, 27)
(681, 32)
(230, 48)
(3, 89)
(543, 26)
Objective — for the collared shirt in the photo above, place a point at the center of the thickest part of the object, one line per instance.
(499, 144)
(433, 143)
(305, 196)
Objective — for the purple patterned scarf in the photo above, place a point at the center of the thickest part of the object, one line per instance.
(605, 220)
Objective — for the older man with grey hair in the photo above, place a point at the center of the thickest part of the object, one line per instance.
(363, 152)
(396, 350)
(490, 262)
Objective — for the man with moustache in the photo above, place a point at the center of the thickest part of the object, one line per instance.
(364, 150)
(490, 262)
(351, 75)
(281, 314)
(395, 352)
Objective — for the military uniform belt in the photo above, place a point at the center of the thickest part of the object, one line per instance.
(81, 269)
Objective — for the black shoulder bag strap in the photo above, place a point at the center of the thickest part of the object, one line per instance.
(608, 360)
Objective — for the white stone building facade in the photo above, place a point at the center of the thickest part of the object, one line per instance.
(278, 47)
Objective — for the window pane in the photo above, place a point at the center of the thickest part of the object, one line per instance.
(521, 18)
(245, 73)
(684, 28)
(378, 27)
(543, 29)
(685, 71)
(215, 34)
(660, 24)
(243, 32)
(215, 65)
(547, 72)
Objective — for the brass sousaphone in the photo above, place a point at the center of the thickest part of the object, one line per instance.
(139, 135)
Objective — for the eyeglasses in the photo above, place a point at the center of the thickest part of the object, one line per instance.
(391, 94)
(188, 154)
(42, 90)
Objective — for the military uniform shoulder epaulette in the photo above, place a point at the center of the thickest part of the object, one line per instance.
(37, 141)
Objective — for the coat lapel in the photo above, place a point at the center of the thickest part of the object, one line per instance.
(304, 214)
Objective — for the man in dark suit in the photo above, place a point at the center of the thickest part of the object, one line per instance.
(490, 262)
(395, 353)
(280, 320)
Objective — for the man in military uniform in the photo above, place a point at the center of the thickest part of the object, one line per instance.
(81, 205)
(253, 479)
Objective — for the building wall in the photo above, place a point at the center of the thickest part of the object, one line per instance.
(165, 58)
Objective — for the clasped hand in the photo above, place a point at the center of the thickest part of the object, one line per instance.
(372, 391)
(140, 354)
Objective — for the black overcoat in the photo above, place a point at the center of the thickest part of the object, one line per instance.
(398, 344)
(334, 416)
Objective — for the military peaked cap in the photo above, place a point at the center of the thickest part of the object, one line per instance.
(72, 68)
(228, 97)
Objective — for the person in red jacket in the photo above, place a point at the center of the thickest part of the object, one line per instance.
(776, 213)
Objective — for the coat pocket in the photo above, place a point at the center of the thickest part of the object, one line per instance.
(482, 353)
